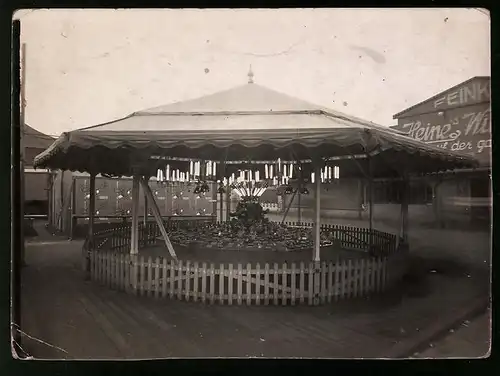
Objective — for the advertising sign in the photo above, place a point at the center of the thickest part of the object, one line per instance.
(459, 120)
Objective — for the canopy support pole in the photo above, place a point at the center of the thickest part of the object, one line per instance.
(370, 203)
(228, 203)
(145, 219)
(317, 215)
(157, 216)
(437, 202)
(299, 206)
(317, 235)
(134, 236)
(90, 235)
(221, 199)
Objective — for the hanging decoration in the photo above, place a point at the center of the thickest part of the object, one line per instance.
(327, 174)
(199, 173)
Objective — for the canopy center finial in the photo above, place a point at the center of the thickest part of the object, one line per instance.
(250, 75)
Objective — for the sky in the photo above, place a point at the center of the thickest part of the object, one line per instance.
(87, 67)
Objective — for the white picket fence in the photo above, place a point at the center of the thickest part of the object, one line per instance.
(311, 284)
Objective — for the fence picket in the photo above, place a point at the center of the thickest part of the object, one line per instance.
(330, 282)
(127, 267)
(171, 276)
(257, 284)
(349, 278)
(384, 274)
(105, 267)
(179, 280)
(110, 269)
(149, 291)
(249, 284)
(221, 284)
(230, 284)
(323, 282)
(275, 284)
(98, 267)
(284, 284)
(165, 280)
(293, 284)
(195, 282)
(369, 276)
(356, 273)
(266, 284)
(343, 279)
(188, 281)
(204, 282)
(212, 283)
(141, 276)
(117, 270)
(310, 290)
(92, 265)
(240, 287)
(121, 281)
(302, 282)
(157, 277)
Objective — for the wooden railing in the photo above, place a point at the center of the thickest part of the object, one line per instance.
(348, 237)
(311, 284)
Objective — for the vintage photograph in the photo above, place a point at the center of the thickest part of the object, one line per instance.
(254, 183)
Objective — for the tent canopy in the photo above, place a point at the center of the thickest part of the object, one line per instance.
(248, 122)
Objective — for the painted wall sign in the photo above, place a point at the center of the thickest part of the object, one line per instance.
(471, 92)
(464, 129)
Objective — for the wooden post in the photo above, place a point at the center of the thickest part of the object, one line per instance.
(157, 216)
(145, 219)
(361, 199)
(134, 236)
(228, 203)
(437, 202)
(370, 201)
(317, 234)
(317, 214)
(91, 211)
(221, 202)
(299, 208)
(90, 236)
(73, 219)
(299, 188)
(214, 198)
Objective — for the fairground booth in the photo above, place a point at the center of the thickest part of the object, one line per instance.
(245, 140)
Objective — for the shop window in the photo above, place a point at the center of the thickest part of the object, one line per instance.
(386, 192)
(420, 193)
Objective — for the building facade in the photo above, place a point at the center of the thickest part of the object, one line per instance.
(37, 183)
(457, 119)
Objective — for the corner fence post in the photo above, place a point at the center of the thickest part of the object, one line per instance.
(317, 282)
(133, 272)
